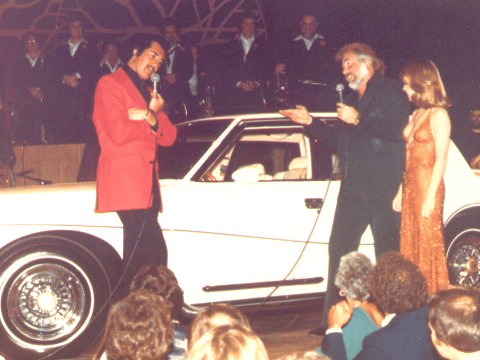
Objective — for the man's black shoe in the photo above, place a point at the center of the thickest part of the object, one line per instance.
(320, 331)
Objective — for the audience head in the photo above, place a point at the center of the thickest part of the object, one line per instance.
(161, 281)
(138, 328)
(228, 342)
(363, 53)
(309, 355)
(423, 84)
(214, 316)
(308, 25)
(247, 25)
(396, 284)
(454, 318)
(352, 274)
(147, 57)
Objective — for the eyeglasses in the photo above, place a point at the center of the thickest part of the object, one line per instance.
(32, 41)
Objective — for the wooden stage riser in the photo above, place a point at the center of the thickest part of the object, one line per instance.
(55, 163)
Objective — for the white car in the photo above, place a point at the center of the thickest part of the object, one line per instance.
(248, 208)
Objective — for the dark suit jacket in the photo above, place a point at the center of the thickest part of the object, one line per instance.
(238, 68)
(27, 76)
(254, 67)
(406, 337)
(371, 154)
(316, 64)
(182, 67)
(83, 62)
(72, 107)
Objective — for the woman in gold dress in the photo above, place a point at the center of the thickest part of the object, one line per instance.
(421, 194)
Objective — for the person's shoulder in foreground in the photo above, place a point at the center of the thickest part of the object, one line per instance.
(400, 291)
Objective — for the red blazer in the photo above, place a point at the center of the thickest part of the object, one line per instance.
(127, 147)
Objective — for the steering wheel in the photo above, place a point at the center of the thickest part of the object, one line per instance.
(208, 176)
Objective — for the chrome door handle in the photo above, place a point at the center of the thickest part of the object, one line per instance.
(314, 203)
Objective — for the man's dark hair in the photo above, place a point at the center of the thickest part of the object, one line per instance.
(161, 281)
(308, 14)
(247, 15)
(396, 284)
(144, 42)
(454, 315)
(169, 21)
(75, 16)
(27, 34)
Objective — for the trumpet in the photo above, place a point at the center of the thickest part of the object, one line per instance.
(206, 104)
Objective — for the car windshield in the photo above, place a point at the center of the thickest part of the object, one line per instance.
(193, 140)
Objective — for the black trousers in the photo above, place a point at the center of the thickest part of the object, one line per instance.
(143, 242)
(352, 216)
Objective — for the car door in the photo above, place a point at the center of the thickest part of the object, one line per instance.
(252, 217)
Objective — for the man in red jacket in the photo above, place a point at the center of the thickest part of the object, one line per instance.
(130, 123)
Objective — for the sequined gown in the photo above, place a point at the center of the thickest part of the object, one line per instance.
(421, 239)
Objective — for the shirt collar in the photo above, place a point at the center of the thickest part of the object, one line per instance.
(309, 42)
(74, 47)
(247, 43)
(114, 67)
(388, 318)
(32, 61)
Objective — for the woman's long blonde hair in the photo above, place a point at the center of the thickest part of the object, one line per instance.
(424, 78)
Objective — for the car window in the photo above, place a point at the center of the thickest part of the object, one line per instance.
(193, 140)
(262, 155)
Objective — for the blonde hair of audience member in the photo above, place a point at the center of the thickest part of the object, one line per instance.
(139, 328)
(216, 315)
(309, 355)
(228, 342)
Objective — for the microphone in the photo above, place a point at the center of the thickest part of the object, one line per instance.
(155, 78)
(339, 88)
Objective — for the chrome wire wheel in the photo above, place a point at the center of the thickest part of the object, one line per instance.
(47, 300)
(463, 259)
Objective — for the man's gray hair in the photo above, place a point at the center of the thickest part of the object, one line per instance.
(352, 275)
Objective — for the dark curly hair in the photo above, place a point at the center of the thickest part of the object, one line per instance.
(139, 328)
(396, 284)
(216, 315)
(161, 281)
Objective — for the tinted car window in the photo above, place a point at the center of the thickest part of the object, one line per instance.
(193, 140)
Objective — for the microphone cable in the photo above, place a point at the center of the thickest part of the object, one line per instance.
(319, 212)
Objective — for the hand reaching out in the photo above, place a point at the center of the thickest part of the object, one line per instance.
(299, 115)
